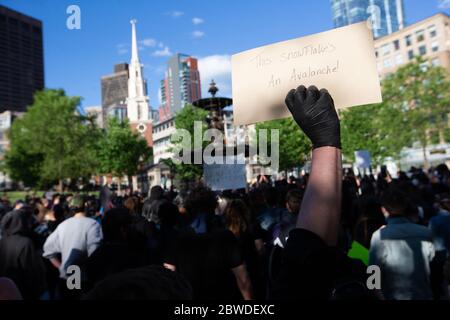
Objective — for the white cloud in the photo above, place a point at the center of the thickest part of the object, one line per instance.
(444, 4)
(197, 34)
(160, 70)
(217, 68)
(149, 42)
(122, 48)
(162, 53)
(175, 14)
(197, 20)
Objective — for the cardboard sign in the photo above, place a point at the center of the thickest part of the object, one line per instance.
(341, 60)
(363, 159)
(221, 177)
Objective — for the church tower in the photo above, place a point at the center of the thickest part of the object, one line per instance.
(137, 101)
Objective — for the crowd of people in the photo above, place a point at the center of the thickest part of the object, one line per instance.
(284, 239)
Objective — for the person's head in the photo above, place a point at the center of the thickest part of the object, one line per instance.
(271, 195)
(17, 222)
(146, 283)
(115, 224)
(367, 187)
(19, 204)
(40, 211)
(200, 200)
(9, 290)
(91, 207)
(294, 200)
(133, 205)
(167, 213)
(156, 193)
(237, 217)
(77, 204)
(56, 199)
(443, 201)
(394, 202)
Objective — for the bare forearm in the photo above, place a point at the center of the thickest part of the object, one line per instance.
(243, 282)
(320, 210)
(55, 262)
(246, 290)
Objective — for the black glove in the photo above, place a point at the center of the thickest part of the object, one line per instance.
(315, 114)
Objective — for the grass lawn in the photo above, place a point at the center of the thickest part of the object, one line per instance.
(13, 196)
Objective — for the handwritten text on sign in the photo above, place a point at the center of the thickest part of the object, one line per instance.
(341, 60)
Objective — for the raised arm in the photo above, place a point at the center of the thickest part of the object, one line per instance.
(314, 112)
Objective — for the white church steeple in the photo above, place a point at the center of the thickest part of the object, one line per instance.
(137, 101)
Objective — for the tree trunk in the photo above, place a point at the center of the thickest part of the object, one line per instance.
(399, 166)
(426, 164)
(130, 183)
(60, 186)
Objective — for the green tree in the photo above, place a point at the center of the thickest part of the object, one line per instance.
(121, 151)
(420, 92)
(294, 146)
(185, 119)
(360, 131)
(51, 142)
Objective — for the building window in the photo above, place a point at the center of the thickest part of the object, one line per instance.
(397, 45)
(411, 54)
(387, 63)
(386, 49)
(422, 50)
(435, 46)
(420, 35)
(399, 59)
(432, 30)
(408, 40)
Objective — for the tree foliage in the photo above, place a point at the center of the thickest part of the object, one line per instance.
(120, 151)
(185, 119)
(415, 101)
(420, 93)
(51, 142)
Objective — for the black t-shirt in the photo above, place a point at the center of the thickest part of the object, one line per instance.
(206, 261)
(312, 270)
(114, 257)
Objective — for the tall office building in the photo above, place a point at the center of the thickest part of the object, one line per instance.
(387, 16)
(180, 86)
(115, 92)
(21, 60)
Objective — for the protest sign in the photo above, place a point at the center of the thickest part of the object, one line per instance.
(225, 176)
(363, 159)
(341, 60)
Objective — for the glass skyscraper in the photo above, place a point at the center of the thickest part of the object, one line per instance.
(386, 15)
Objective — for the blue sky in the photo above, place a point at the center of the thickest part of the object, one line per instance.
(211, 30)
